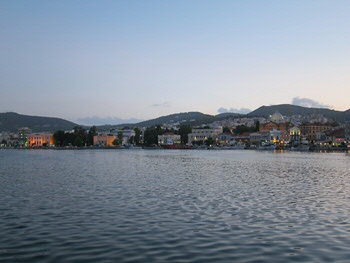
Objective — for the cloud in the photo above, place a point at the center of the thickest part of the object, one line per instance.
(164, 104)
(308, 103)
(105, 120)
(240, 111)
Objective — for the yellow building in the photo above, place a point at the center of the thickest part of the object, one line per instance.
(104, 140)
(40, 139)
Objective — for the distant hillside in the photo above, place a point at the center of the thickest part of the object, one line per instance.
(185, 118)
(289, 110)
(11, 121)
(190, 118)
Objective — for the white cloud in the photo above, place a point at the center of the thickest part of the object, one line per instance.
(233, 110)
(305, 102)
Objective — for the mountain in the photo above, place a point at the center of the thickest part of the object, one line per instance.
(11, 121)
(184, 118)
(190, 118)
(289, 110)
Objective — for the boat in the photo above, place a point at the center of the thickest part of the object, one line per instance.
(302, 146)
(237, 146)
(267, 146)
(176, 146)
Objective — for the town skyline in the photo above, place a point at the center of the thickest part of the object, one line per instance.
(124, 60)
(191, 118)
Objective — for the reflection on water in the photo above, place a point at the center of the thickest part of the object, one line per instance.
(173, 206)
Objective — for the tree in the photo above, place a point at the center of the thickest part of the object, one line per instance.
(92, 132)
(243, 128)
(226, 130)
(183, 131)
(257, 126)
(116, 142)
(209, 141)
(120, 137)
(151, 136)
(137, 136)
(79, 137)
(59, 138)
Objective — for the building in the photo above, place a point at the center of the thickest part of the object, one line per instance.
(203, 134)
(169, 138)
(257, 137)
(269, 126)
(277, 117)
(127, 135)
(310, 130)
(23, 134)
(40, 139)
(104, 140)
(275, 136)
(337, 137)
(225, 138)
(242, 138)
(294, 134)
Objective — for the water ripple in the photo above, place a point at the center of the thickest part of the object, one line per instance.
(174, 206)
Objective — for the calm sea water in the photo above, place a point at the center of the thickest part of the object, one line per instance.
(174, 206)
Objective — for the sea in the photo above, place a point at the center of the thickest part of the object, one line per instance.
(137, 205)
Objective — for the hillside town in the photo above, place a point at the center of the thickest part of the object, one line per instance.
(297, 132)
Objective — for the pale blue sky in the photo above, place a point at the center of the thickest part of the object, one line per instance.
(144, 59)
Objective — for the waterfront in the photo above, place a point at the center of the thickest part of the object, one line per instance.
(174, 206)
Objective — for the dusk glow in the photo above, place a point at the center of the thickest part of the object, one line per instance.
(144, 59)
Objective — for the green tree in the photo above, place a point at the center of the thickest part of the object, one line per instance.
(79, 137)
(116, 142)
(92, 132)
(137, 139)
(151, 136)
(226, 130)
(209, 141)
(257, 126)
(243, 128)
(59, 138)
(183, 131)
(120, 137)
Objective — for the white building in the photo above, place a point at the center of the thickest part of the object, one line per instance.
(257, 137)
(204, 134)
(169, 138)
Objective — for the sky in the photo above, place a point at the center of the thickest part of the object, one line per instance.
(114, 61)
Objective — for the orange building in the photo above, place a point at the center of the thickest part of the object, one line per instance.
(104, 140)
(40, 139)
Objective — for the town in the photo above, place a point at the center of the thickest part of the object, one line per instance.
(313, 132)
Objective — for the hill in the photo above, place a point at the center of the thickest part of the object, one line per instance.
(289, 110)
(187, 118)
(184, 118)
(11, 121)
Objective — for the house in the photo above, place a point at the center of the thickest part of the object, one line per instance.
(225, 138)
(40, 139)
(257, 137)
(294, 134)
(169, 138)
(104, 140)
(337, 137)
(310, 130)
(275, 136)
(203, 134)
